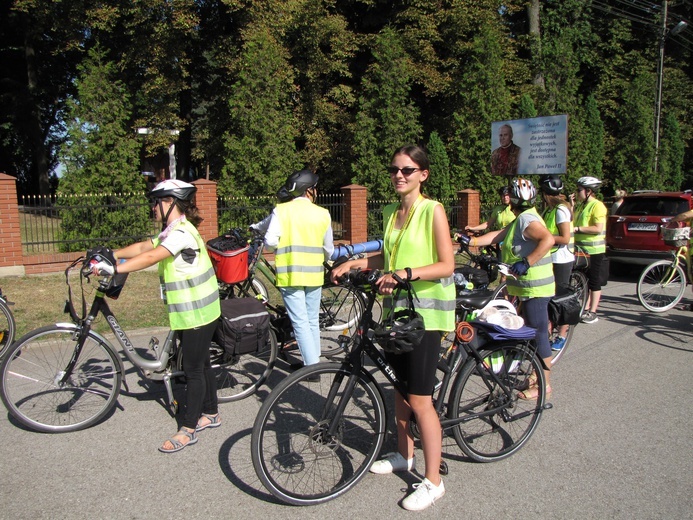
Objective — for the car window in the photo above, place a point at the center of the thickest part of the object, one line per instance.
(661, 206)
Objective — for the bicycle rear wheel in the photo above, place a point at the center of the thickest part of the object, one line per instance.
(578, 282)
(497, 422)
(241, 375)
(661, 285)
(7, 327)
(294, 454)
(30, 378)
(340, 312)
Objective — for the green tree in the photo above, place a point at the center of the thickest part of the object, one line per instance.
(260, 143)
(438, 185)
(671, 153)
(386, 117)
(101, 158)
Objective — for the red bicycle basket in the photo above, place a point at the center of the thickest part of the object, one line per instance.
(230, 266)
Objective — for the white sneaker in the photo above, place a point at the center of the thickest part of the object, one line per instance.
(424, 495)
(393, 462)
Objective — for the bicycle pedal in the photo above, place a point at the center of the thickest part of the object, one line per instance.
(444, 470)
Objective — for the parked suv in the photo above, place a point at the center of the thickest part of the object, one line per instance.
(634, 233)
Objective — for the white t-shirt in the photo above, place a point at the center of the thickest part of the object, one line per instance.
(184, 249)
(562, 254)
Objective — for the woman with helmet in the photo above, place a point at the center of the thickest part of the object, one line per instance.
(501, 215)
(590, 235)
(190, 290)
(301, 233)
(526, 244)
(417, 247)
(559, 221)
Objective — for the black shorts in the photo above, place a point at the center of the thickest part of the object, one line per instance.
(561, 273)
(594, 274)
(417, 369)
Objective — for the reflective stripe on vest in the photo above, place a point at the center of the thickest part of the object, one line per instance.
(191, 301)
(592, 244)
(539, 281)
(299, 254)
(435, 300)
(550, 221)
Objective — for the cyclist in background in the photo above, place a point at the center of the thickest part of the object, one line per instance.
(190, 290)
(526, 245)
(301, 233)
(501, 215)
(559, 221)
(590, 235)
(417, 247)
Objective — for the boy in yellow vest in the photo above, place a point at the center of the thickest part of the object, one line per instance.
(301, 233)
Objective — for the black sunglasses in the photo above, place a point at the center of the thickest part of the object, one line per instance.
(407, 170)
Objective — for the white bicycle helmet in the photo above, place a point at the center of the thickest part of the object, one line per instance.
(591, 183)
(173, 188)
(522, 193)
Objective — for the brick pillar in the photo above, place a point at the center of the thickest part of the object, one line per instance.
(469, 213)
(11, 261)
(206, 201)
(355, 214)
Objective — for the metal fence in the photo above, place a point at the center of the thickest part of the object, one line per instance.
(240, 212)
(41, 218)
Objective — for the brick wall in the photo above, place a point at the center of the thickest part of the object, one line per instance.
(14, 263)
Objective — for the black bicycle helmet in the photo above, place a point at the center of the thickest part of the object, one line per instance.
(504, 190)
(401, 332)
(522, 193)
(173, 188)
(551, 185)
(283, 195)
(299, 182)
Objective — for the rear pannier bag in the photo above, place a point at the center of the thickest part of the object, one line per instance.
(243, 326)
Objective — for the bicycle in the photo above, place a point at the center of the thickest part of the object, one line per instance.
(66, 377)
(340, 307)
(8, 326)
(662, 283)
(470, 301)
(313, 441)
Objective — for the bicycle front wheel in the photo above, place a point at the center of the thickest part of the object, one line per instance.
(241, 375)
(31, 377)
(302, 450)
(7, 327)
(496, 422)
(340, 312)
(661, 285)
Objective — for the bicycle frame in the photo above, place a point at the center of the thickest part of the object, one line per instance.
(149, 368)
(364, 345)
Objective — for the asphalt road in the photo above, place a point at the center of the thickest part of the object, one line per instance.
(617, 444)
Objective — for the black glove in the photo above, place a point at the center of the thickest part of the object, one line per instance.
(463, 239)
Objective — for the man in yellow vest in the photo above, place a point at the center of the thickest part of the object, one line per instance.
(301, 233)
(590, 235)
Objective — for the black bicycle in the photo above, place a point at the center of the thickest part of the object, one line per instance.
(318, 432)
(7, 324)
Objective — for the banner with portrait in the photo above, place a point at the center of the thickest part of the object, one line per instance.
(534, 146)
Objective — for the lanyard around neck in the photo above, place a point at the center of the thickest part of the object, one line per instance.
(391, 226)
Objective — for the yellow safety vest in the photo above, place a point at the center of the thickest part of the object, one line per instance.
(592, 244)
(504, 216)
(192, 299)
(300, 254)
(538, 281)
(550, 221)
(435, 299)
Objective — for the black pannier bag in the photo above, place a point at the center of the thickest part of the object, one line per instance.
(243, 327)
(478, 277)
(565, 309)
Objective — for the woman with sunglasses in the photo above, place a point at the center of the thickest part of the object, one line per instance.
(416, 247)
